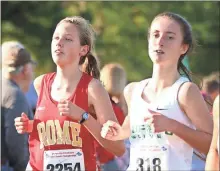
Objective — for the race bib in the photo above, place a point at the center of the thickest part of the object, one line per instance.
(60, 160)
(150, 158)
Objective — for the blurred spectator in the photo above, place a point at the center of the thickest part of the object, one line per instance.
(17, 74)
(211, 85)
(113, 77)
(31, 96)
(208, 101)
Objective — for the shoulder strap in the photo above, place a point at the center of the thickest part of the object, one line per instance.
(178, 84)
(43, 87)
(138, 89)
(81, 94)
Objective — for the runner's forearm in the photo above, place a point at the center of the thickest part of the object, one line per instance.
(126, 128)
(116, 147)
(192, 137)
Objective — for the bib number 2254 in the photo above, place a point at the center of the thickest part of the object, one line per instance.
(64, 166)
(148, 164)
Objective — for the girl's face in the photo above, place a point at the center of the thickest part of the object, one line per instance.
(166, 41)
(65, 45)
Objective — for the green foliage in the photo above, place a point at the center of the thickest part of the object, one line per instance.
(121, 29)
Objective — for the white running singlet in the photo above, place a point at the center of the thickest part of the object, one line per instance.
(157, 151)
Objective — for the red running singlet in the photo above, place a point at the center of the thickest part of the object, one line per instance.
(60, 135)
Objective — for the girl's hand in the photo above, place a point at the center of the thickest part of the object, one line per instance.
(159, 122)
(111, 131)
(67, 108)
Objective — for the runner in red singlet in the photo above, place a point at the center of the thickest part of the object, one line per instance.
(62, 132)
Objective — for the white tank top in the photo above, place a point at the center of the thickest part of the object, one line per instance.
(158, 151)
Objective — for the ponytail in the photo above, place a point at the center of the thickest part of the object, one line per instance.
(90, 65)
(182, 69)
(185, 72)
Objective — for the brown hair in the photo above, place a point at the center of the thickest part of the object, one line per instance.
(187, 39)
(211, 83)
(89, 62)
(113, 77)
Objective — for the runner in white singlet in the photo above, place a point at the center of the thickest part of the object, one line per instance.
(167, 117)
(158, 150)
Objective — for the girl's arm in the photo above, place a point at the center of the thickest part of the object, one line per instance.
(212, 161)
(99, 99)
(193, 104)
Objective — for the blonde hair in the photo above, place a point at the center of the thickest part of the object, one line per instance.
(113, 77)
(89, 62)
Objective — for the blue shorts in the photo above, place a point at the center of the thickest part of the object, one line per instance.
(197, 163)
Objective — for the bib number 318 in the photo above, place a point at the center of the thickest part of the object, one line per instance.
(64, 166)
(148, 164)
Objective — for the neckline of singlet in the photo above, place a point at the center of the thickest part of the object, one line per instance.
(73, 93)
(145, 84)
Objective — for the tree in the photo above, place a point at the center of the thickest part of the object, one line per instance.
(121, 30)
